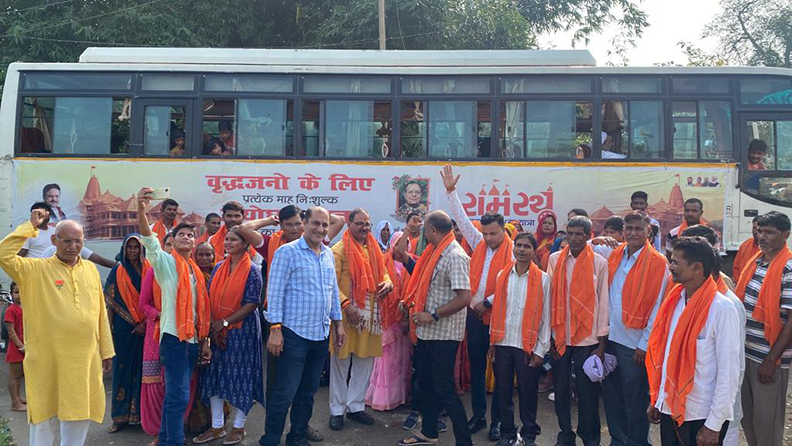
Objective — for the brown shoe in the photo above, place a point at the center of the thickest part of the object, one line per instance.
(235, 436)
(210, 435)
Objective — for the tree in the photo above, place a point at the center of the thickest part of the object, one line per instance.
(755, 32)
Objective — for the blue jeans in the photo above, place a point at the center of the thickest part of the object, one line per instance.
(178, 359)
(297, 373)
(626, 395)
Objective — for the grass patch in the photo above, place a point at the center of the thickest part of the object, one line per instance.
(6, 439)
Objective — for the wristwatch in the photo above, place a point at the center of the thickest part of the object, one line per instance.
(435, 316)
(225, 323)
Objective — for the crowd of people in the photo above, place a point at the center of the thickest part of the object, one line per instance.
(197, 325)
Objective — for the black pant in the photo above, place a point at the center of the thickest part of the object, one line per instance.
(272, 361)
(436, 379)
(684, 435)
(588, 398)
(478, 344)
(508, 361)
(625, 393)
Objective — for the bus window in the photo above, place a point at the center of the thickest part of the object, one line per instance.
(512, 128)
(413, 129)
(357, 129)
(219, 132)
(631, 85)
(310, 128)
(265, 127)
(614, 135)
(776, 189)
(775, 137)
(683, 116)
(73, 125)
(554, 129)
(164, 132)
(766, 91)
(702, 130)
(450, 129)
(632, 128)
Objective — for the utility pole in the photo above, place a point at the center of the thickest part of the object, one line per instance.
(382, 24)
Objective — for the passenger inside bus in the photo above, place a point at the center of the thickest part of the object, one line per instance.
(757, 149)
(226, 130)
(583, 151)
(216, 147)
(177, 142)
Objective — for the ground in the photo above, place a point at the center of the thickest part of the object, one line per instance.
(386, 431)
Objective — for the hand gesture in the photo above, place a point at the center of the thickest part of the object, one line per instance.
(38, 217)
(144, 196)
(449, 180)
(383, 289)
(400, 249)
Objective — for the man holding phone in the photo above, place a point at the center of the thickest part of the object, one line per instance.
(184, 320)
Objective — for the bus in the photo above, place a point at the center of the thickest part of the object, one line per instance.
(530, 132)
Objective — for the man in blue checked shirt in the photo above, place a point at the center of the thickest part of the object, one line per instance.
(303, 303)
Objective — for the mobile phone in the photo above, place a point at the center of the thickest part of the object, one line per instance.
(160, 193)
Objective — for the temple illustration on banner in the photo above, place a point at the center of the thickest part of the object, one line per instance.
(108, 217)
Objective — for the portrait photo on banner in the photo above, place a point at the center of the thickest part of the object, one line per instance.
(412, 195)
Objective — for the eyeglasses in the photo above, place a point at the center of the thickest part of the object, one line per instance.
(362, 224)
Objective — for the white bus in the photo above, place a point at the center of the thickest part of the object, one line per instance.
(530, 132)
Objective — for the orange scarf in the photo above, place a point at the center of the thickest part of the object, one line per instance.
(227, 291)
(582, 298)
(413, 243)
(418, 287)
(768, 303)
(722, 287)
(161, 231)
(502, 256)
(366, 274)
(748, 249)
(642, 285)
(129, 294)
(681, 367)
(218, 243)
(185, 323)
(684, 225)
(390, 308)
(532, 313)
(276, 241)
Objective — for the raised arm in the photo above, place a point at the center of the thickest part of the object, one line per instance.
(15, 266)
(471, 234)
(336, 226)
(101, 261)
(250, 229)
(143, 199)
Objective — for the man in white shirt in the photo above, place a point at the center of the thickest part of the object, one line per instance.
(520, 337)
(693, 353)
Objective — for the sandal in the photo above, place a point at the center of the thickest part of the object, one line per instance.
(236, 436)
(210, 435)
(418, 439)
(115, 428)
(154, 441)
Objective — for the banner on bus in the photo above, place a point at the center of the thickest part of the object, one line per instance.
(101, 194)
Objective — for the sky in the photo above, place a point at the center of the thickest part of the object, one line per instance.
(670, 21)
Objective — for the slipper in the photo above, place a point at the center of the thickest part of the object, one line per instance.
(115, 428)
(417, 440)
(154, 442)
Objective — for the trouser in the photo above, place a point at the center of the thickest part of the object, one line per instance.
(178, 359)
(508, 362)
(297, 373)
(684, 435)
(218, 414)
(349, 397)
(625, 393)
(733, 432)
(272, 361)
(478, 345)
(436, 378)
(54, 432)
(764, 406)
(588, 428)
(415, 394)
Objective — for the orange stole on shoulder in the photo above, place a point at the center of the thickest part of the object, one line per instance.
(366, 274)
(532, 313)
(582, 298)
(642, 285)
(228, 289)
(129, 294)
(186, 326)
(418, 287)
(218, 243)
(768, 303)
(161, 231)
(499, 260)
(390, 308)
(747, 250)
(681, 367)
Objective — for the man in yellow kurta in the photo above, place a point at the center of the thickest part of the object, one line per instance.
(67, 335)
(362, 282)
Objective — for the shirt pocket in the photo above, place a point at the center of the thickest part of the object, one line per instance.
(328, 280)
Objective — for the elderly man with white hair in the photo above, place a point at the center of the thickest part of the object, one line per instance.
(68, 341)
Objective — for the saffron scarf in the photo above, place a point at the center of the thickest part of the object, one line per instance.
(390, 309)
(768, 303)
(161, 231)
(502, 256)
(129, 294)
(681, 366)
(218, 243)
(418, 287)
(748, 249)
(227, 291)
(543, 242)
(721, 285)
(582, 298)
(276, 241)
(642, 285)
(366, 273)
(186, 326)
(532, 313)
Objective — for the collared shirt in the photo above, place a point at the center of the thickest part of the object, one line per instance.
(164, 266)
(451, 273)
(717, 376)
(601, 305)
(41, 247)
(629, 337)
(473, 237)
(517, 289)
(656, 242)
(302, 291)
(756, 345)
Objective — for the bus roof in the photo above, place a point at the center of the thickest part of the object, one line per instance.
(343, 58)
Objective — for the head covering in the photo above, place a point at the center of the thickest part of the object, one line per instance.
(544, 241)
(134, 275)
(557, 244)
(511, 231)
(383, 244)
(393, 240)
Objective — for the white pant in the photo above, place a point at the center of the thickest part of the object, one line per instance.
(54, 432)
(732, 437)
(218, 414)
(351, 398)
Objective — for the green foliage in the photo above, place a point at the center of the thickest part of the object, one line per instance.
(696, 57)
(755, 32)
(6, 439)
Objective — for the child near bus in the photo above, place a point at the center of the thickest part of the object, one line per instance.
(16, 350)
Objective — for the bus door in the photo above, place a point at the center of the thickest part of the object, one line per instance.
(167, 126)
(766, 166)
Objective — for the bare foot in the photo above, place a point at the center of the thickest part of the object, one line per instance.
(19, 408)
(22, 400)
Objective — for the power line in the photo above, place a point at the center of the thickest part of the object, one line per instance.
(45, 6)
